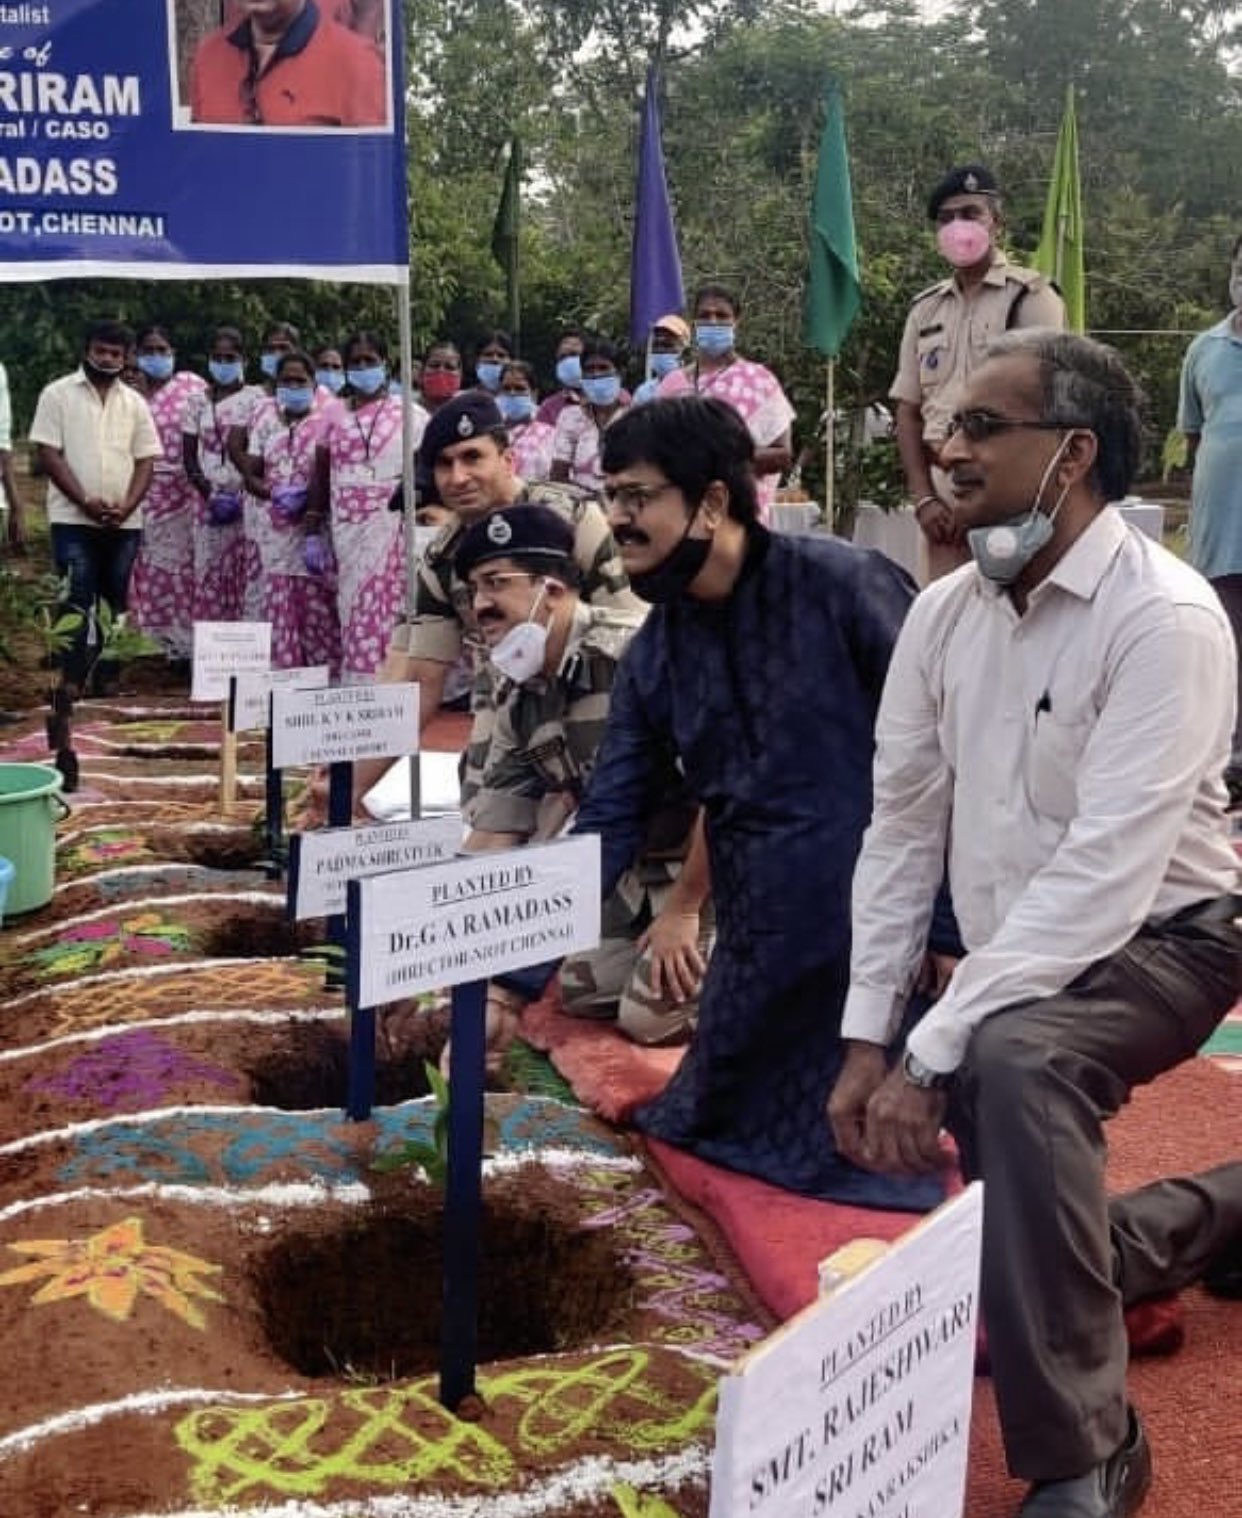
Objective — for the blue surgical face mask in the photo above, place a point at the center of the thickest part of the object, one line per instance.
(331, 379)
(516, 408)
(602, 389)
(269, 363)
(225, 371)
(295, 399)
(488, 375)
(714, 339)
(569, 371)
(369, 380)
(1003, 550)
(156, 366)
(664, 363)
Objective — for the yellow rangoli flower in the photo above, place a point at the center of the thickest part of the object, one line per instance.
(111, 1268)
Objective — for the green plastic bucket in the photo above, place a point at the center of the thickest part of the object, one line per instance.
(30, 808)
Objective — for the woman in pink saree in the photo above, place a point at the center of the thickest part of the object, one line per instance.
(359, 467)
(297, 591)
(227, 402)
(750, 388)
(161, 593)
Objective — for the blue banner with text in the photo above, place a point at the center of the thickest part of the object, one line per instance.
(174, 138)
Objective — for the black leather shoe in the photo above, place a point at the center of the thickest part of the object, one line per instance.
(1114, 1489)
(1223, 1278)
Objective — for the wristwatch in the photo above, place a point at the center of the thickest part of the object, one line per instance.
(921, 1075)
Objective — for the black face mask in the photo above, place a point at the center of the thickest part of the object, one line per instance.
(674, 575)
(96, 371)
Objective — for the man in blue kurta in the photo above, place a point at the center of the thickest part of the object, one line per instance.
(758, 673)
(1210, 414)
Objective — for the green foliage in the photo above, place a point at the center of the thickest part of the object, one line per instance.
(44, 324)
(1160, 122)
(431, 1158)
(1160, 118)
(326, 954)
(43, 604)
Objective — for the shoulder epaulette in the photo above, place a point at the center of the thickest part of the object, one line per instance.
(1023, 275)
(936, 289)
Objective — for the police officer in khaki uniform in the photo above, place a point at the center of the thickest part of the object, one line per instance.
(554, 661)
(947, 333)
(465, 450)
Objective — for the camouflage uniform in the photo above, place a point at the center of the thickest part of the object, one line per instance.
(544, 739)
(443, 621)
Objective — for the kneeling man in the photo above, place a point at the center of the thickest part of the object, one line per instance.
(554, 663)
(1058, 717)
(759, 672)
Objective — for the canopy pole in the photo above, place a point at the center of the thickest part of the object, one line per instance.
(405, 329)
(830, 448)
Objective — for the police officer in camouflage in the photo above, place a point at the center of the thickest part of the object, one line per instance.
(947, 333)
(465, 450)
(554, 662)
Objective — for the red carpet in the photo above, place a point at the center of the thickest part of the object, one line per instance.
(447, 732)
(1189, 1120)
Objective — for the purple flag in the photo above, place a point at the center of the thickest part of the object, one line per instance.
(655, 269)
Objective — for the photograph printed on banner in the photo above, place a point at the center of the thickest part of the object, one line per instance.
(281, 65)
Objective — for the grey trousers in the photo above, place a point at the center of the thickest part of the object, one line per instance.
(1027, 1109)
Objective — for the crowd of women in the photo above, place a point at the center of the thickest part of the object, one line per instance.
(273, 499)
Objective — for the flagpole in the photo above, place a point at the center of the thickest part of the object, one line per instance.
(830, 440)
(515, 271)
(409, 518)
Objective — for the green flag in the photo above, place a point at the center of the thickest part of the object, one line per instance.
(505, 235)
(833, 290)
(1060, 251)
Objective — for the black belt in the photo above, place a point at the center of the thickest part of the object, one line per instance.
(1215, 909)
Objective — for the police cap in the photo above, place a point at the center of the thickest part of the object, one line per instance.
(517, 532)
(473, 413)
(970, 179)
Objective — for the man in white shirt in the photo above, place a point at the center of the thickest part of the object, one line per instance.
(1057, 717)
(12, 527)
(97, 444)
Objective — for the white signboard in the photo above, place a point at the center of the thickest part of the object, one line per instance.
(352, 722)
(474, 918)
(250, 703)
(325, 860)
(222, 649)
(860, 1406)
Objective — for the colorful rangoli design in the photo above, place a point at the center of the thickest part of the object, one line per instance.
(110, 846)
(111, 1269)
(389, 1437)
(131, 1071)
(98, 945)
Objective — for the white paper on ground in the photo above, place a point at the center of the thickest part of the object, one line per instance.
(388, 800)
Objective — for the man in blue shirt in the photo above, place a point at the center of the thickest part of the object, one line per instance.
(758, 675)
(1210, 414)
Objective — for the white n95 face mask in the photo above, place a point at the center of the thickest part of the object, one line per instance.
(520, 654)
(1003, 550)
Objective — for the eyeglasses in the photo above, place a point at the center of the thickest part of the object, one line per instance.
(632, 499)
(978, 426)
(491, 583)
